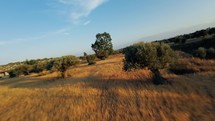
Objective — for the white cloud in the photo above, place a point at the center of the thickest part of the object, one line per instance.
(77, 10)
(86, 23)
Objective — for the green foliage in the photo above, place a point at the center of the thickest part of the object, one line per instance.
(151, 55)
(63, 63)
(49, 65)
(39, 67)
(201, 52)
(56, 64)
(30, 62)
(91, 59)
(189, 43)
(117, 51)
(211, 53)
(68, 61)
(154, 56)
(12, 73)
(21, 70)
(24, 69)
(103, 46)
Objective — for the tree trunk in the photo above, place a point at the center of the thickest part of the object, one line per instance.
(63, 74)
(157, 78)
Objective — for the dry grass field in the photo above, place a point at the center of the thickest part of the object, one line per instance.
(103, 92)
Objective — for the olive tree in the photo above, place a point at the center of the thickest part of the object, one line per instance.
(103, 46)
(63, 63)
(154, 56)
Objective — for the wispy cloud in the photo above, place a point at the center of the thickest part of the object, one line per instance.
(77, 10)
(86, 23)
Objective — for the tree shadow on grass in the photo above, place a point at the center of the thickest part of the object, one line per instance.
(89, 81)
(100, 83)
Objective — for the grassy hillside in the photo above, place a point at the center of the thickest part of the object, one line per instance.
(190, 42)
(191, 46)
(104, 92)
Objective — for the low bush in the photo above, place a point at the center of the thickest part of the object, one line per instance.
(21, 70)
(91, 59)
(201, 52)
(12, 74)
(211, 53)
(39, 67)
(205, 53)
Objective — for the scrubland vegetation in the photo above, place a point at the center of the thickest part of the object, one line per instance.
(199, 44)
(105, 92)
(153, 56)
(145, 81)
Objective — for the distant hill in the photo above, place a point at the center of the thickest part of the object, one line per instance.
(11, 66)
(190, 42)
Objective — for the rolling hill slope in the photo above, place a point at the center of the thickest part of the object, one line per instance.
(105, 92)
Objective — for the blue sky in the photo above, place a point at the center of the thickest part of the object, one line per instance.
(31, 29)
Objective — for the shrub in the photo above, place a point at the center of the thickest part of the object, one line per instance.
(211, 53)
(30, 62)
(39, 67)
(63, 63)
(21, 70)
(12, 74)
(154, 56)
(56, 64)
(67, 61)
(91, 59)
(49, 65)
(24, 69)
(201, 52)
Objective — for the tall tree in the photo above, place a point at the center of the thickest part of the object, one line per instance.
(103, 46)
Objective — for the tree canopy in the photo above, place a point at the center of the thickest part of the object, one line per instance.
(103, 46)
(154, 56)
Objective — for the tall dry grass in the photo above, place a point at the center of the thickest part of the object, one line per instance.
(104, 92)
(193, 65)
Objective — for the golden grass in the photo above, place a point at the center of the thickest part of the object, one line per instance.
(194, 65)
(104, 92)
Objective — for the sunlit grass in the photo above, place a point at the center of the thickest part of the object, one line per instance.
(105, 92)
